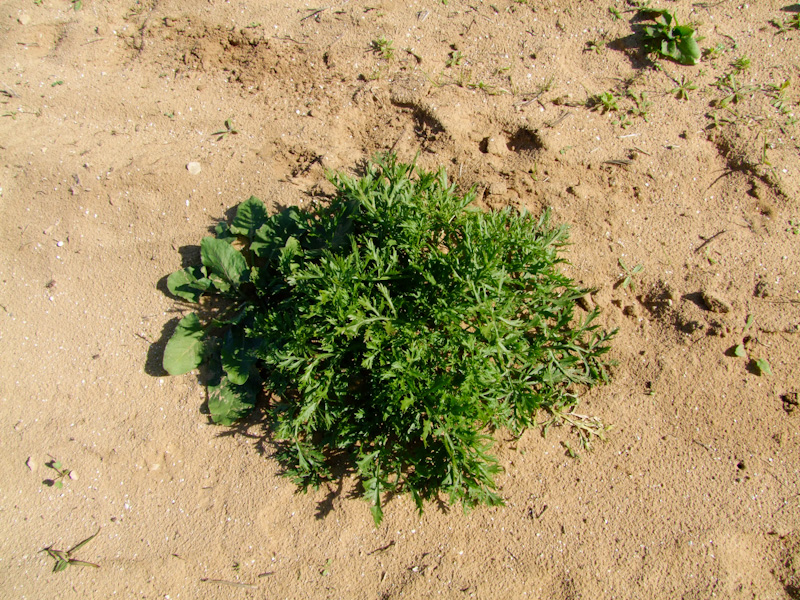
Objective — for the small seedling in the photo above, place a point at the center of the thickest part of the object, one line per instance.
(682, 89)
(762, 367)
(615, 14)
(738, 349)
(57, 82)
(715, 52)
(779, 94)
(595, 46)
(326, 568)
(642, 105)
(737, 91)
(624, 121)
(64, 558)
(794, 226)
(229, 129)
(383, 47)
(628, 275)
(454, 59)
(77, 5)
(605, 102)
(61, 473)
(669, 39)
(741, 64)
(792, 22)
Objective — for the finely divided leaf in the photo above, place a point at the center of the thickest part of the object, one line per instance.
(228, 402)
(224, 260)
(189, 283)
(185, 348)
(251, 214)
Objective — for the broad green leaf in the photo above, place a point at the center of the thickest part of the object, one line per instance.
(228, 402)
(250, 216)
(189, 283)
(739, 351)
(688, 50)
(185, 348)
(236, 355)
(224, 232)
(224, 260)
(763, 366)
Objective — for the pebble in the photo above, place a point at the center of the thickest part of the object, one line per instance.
(31, 463)
(193, 168)
(24, 19)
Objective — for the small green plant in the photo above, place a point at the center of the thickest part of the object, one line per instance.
(383, 48)
(229, 130)
(64, 558)
(62, 473)
(642, 104)
(605, 102)
(792, 22)
(669, 39)
(682, 88)
(794, 226)
(596, 46)
(77, 5)
(740, 65)
(735, 91)
(396, 327)
(715, 52)
(615, 14)
(627, 279)
(454, 59)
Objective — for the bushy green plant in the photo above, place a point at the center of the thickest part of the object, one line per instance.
(669, 39)
(395, 326)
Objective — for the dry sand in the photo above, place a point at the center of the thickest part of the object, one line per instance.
(696, 492)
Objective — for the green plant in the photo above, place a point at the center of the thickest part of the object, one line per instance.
(736, 91)
(671, 40)
(229, 129)
(77, 4)
(741, 64)
(64, 558)
(682, 88)
(642, 104)
(628, 274)
(395, 327)
(604, 102)
(794, 226)
(61, 473)
(383, 47)
(454, 59)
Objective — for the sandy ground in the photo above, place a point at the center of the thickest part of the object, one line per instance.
(696, 492)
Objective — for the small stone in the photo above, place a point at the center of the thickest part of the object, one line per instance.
(193, 168)
(24, 19)
(73, 475)
(31, 463)
(714, 302)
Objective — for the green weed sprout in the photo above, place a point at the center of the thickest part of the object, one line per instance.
(395, 329)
